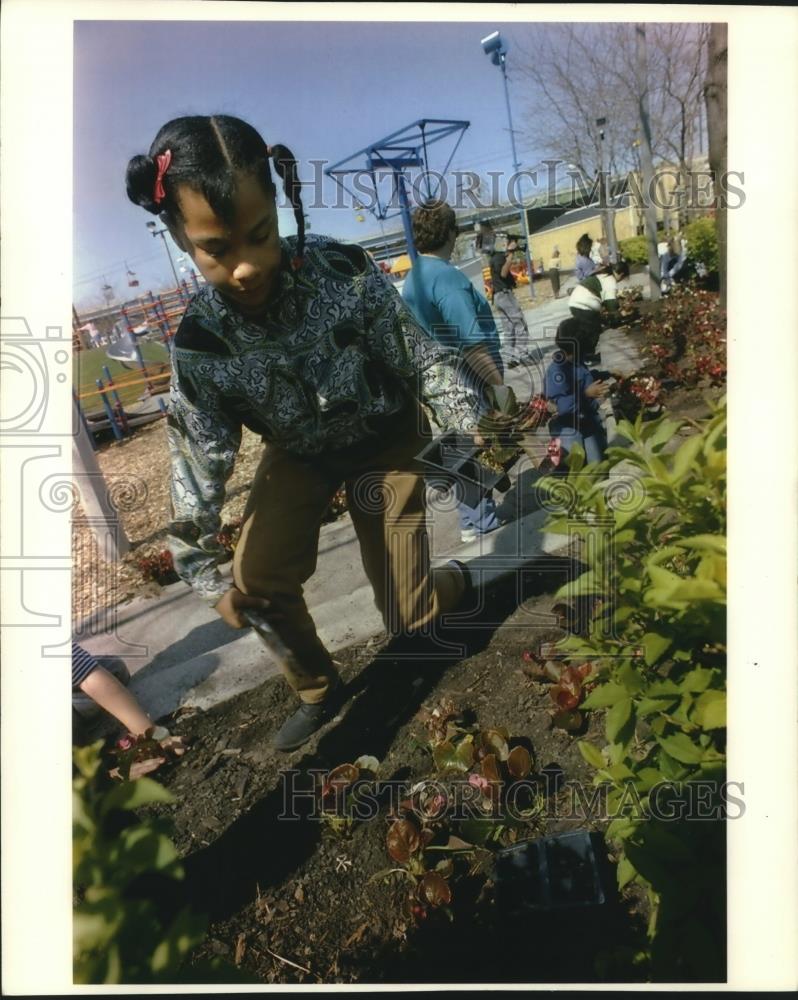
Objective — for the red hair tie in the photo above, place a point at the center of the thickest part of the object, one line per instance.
(162, 160)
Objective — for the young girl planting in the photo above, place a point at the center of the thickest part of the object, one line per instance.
(306, 343)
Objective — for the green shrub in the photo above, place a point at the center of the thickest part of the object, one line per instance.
(702, 242)
(655, 552)
(118, 936)
(635, 249)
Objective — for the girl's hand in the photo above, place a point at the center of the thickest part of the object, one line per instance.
(233, 602)
(596, 390)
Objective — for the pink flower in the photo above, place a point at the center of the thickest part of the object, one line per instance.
(479, 782)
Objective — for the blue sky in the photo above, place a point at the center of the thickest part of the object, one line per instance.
(325, 89)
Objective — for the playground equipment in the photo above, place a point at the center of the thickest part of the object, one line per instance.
(159, 312)
(127, 401)
(388, 158)
(124, 348)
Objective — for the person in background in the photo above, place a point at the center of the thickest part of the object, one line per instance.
(597, 253)
(516, 339)
(576, 393)
(485, 238)
(451, 310)
(674, 268)
(586, 302)
(583, 266)
(664, 252)
(554, 273)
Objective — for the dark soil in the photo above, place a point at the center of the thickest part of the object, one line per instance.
(292, 901)
(294, 888)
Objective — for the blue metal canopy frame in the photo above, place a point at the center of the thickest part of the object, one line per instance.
(406, 148)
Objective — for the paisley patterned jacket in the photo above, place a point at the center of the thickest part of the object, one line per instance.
(337, 355)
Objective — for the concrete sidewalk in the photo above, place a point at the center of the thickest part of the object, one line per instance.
(179, 651)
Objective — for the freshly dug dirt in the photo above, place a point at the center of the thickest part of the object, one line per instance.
(293, 901)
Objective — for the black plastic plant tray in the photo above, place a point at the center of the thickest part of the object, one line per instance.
(565, 871)
(452, 460)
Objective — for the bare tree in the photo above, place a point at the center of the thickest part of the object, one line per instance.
(647, 165)
(581, 72)
(716, 97)
(684, 61)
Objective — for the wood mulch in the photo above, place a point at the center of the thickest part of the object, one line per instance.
(144, 458)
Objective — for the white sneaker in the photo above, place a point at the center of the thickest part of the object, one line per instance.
(468, 535)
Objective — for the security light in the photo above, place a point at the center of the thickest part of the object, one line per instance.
(494, 47)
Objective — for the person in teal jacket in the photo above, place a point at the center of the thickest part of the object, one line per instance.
(450, 308)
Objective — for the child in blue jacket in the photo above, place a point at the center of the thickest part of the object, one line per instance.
(576, 393)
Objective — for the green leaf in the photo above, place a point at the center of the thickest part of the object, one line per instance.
(712, 543)
(655, 646)
(615, 753)
(663, 554)
(476, 831)
(591, 753)
(648, 777)
(577, 645)
(663, 689)
(446, 758)
(697, 680)
(630, 678)
(664, 432)
(623, 614)
(620, 772)
(87, 759)
(621, 828)
(626, 430)
(663, 580)
(142, 848)
(626, 872)
(648, 706)
(681, 748)
(186, 932)
(685, 456)
(584, 584)
(576, 458)
(605, 695)
(694, 589)
(659, 471)
(617, 718)
(132, 794)
(710, 710)
(671, 769)
(465, 752)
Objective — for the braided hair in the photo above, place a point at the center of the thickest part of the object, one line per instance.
(206, 152)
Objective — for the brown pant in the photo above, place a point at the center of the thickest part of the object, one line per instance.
(279, 542)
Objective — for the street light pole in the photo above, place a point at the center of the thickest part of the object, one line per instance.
(494, 47)
(609, 222)
(162, 233)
